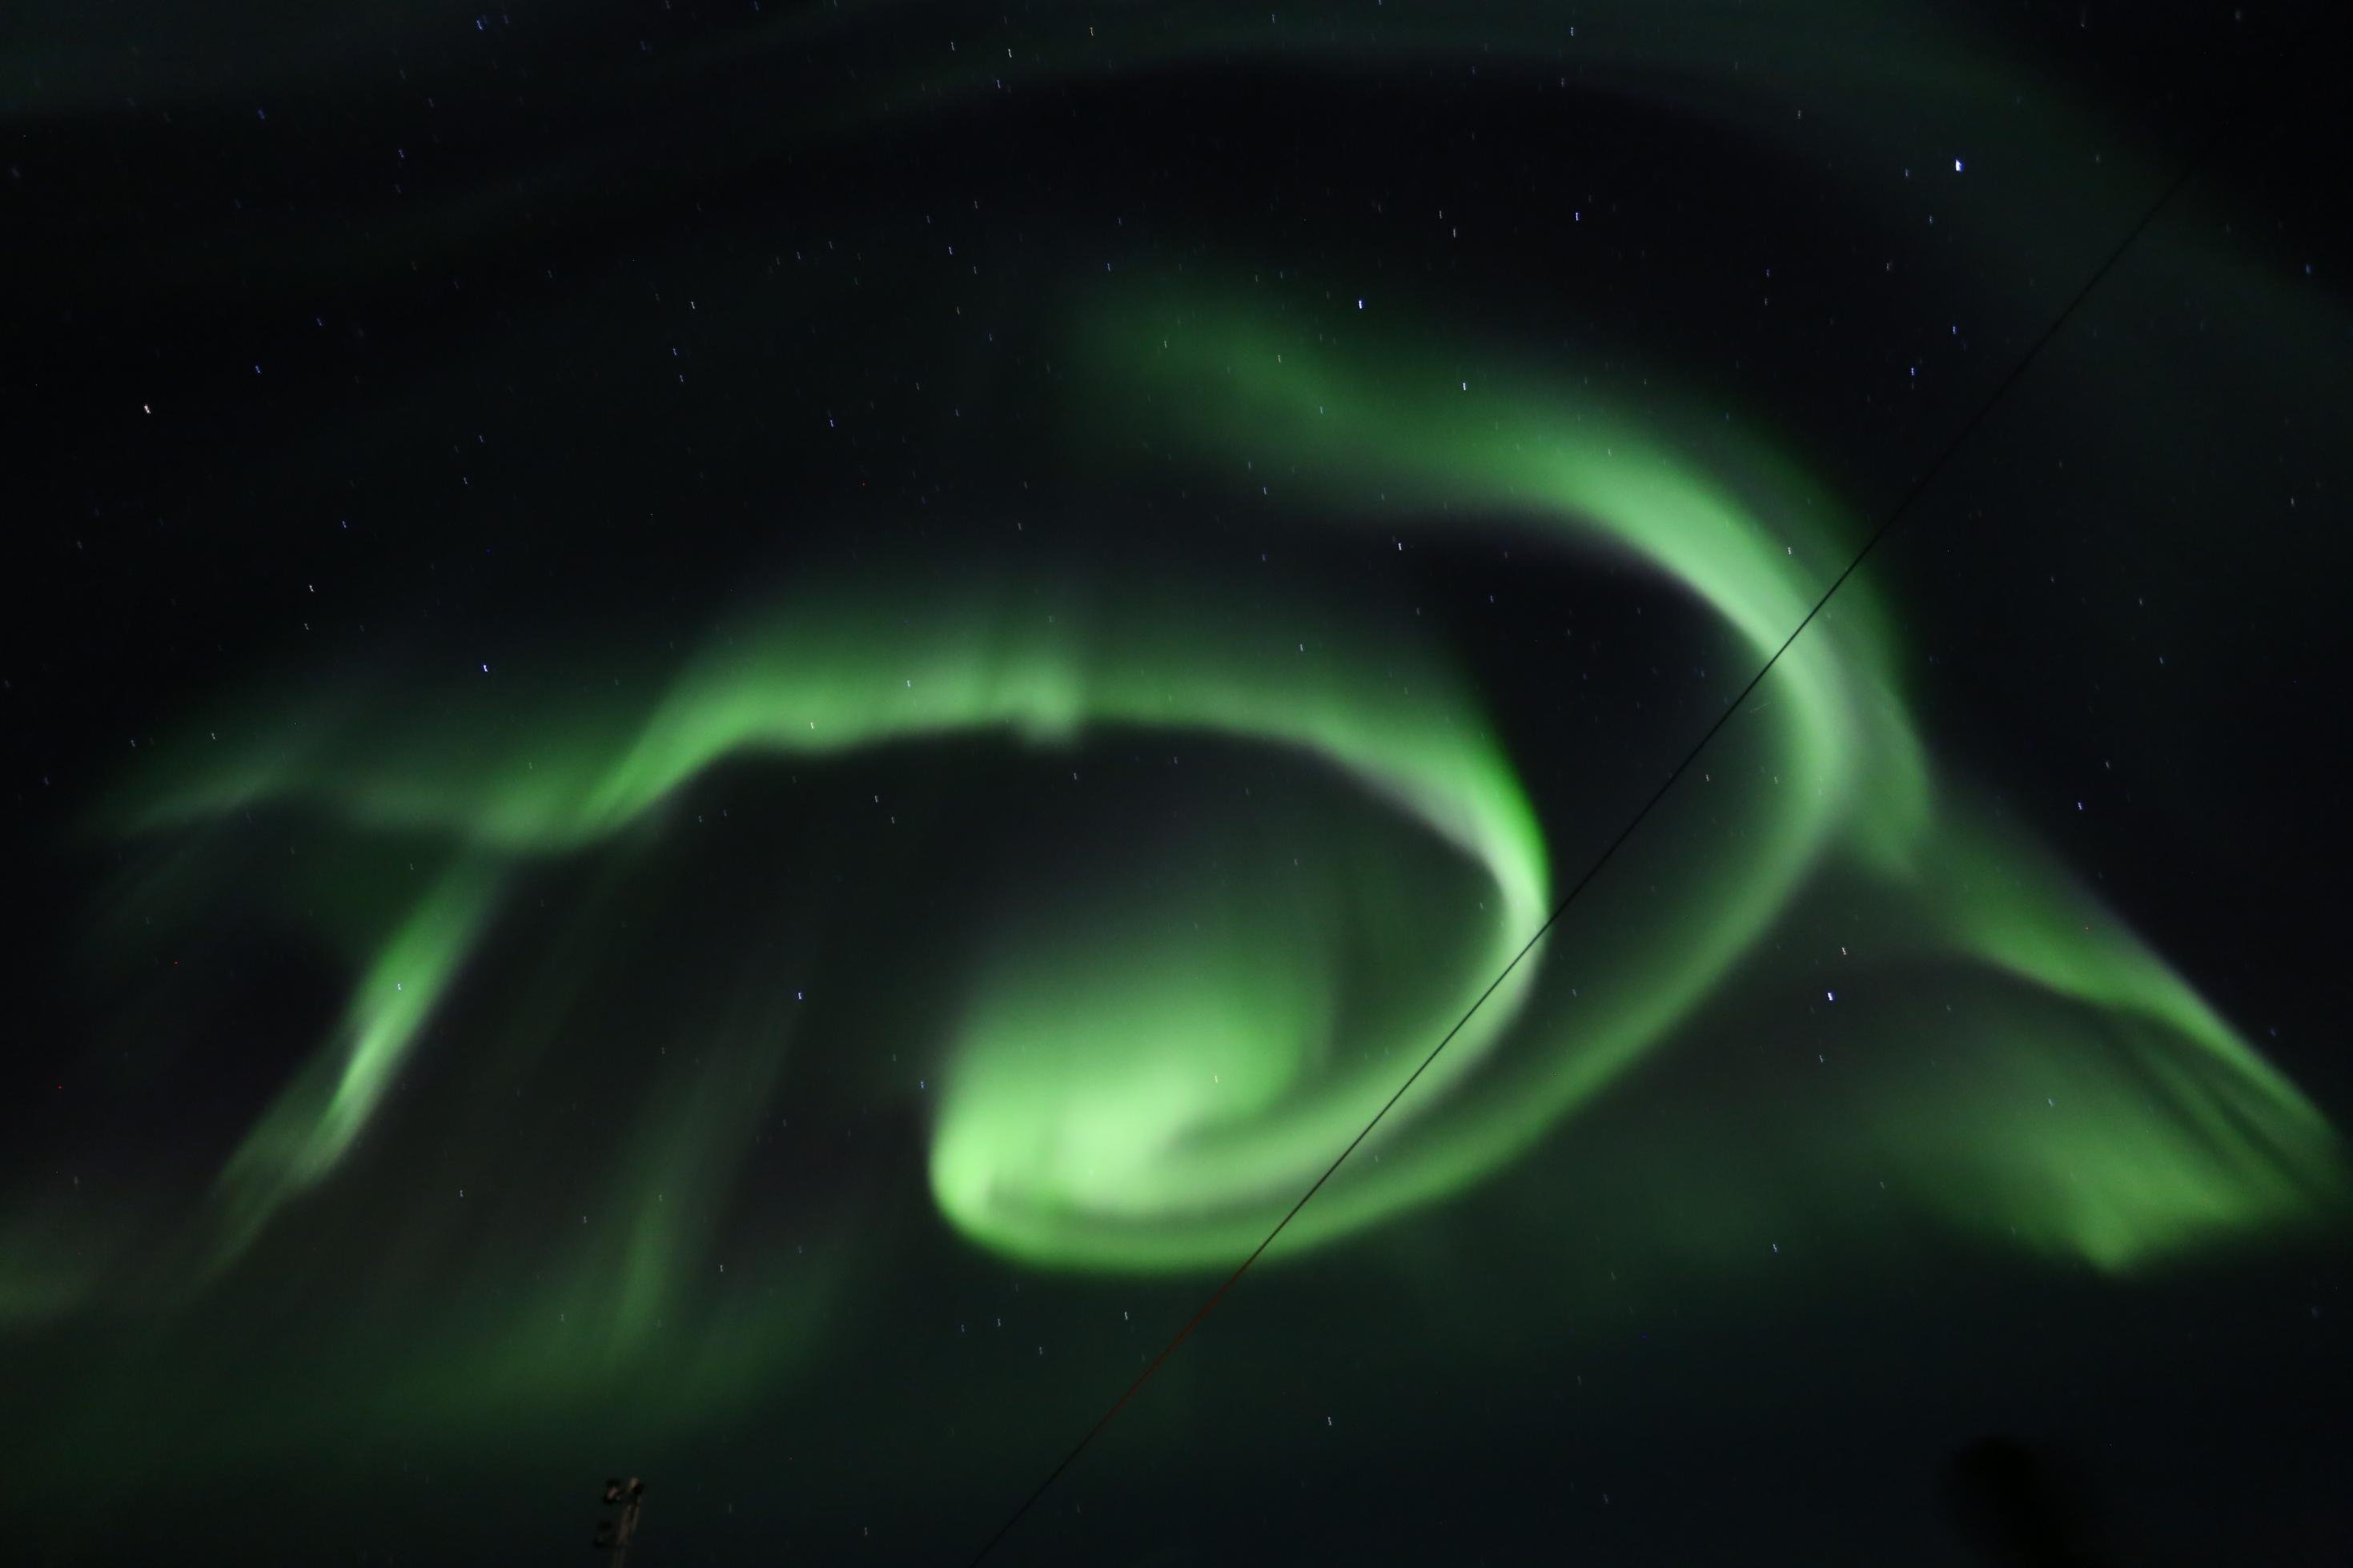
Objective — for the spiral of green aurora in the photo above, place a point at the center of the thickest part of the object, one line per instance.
(1116, 1100)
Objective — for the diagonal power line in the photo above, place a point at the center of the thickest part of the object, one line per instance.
(2215, 139)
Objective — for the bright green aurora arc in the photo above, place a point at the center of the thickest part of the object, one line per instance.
(1116, 1099)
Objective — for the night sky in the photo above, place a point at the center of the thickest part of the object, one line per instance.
(733, 733)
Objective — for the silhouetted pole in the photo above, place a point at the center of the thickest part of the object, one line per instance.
(614, 1535)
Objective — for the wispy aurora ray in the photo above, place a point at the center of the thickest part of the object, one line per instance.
(311, 1126)
(1111, 1103)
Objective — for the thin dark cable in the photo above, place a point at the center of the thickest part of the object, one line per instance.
(1902, 506)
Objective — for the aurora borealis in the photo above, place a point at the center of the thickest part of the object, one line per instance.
(1224, 1097)
(832, 746)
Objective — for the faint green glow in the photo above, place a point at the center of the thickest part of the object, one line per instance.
(2175, 1128)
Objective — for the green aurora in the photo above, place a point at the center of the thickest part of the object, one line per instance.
(444, 1112)
(1117, 1100)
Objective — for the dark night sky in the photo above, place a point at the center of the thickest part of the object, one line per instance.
(734, 731)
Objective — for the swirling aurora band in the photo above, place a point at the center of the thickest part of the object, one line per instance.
(1113, 1106)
